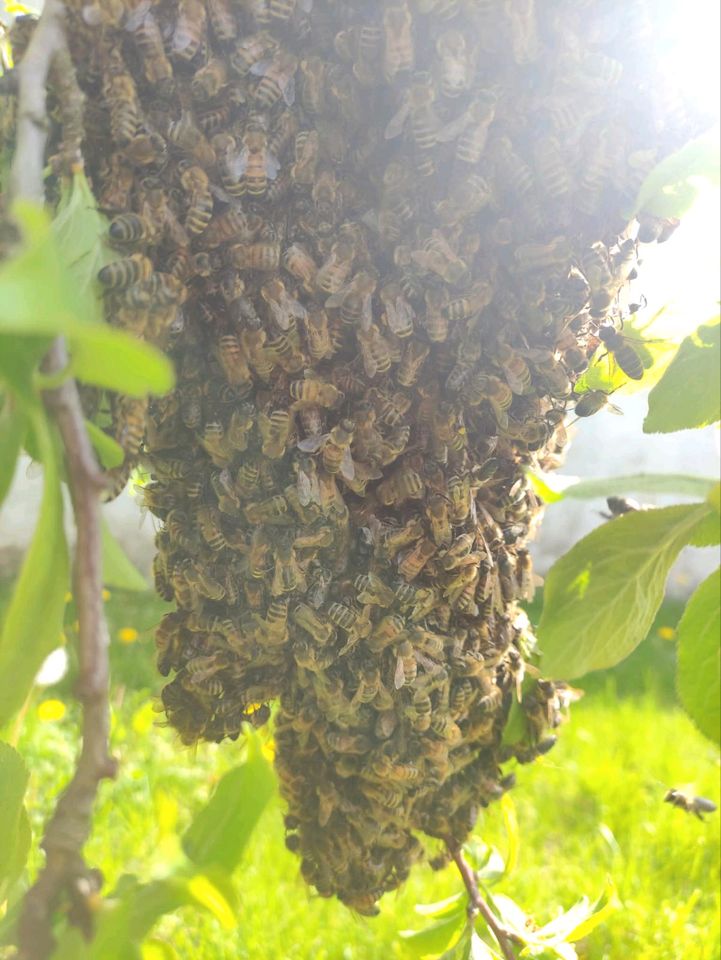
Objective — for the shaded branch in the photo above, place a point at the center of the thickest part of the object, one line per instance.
(477, 904)
(65, 875)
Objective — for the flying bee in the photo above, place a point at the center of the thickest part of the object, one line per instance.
(121, 274)
(592, 401)
(275, 429)
(277, 79)
(406, 665)
(398, 49)
(255, 164)
(684, 801)
(210, 79)
(416, 558)
(263, 256)
(375, 350)
(621, 349)
(194, 181)
(189, 35)
(618, 506)
(354, 300)
(403, 484)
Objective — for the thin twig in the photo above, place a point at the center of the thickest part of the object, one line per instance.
(65, 872)
(479, 905)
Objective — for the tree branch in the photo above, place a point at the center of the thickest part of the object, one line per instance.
(65, 872)
(478, 905)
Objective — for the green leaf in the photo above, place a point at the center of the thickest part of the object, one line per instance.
(461, 949)
(109, 451)
(598, 914)
(708, 532)
(689, 393)
(13, 425)
(435, 938)
(714, 497)
(442, 908)
(81, 231)
(601, 597)
(668, 191)
(219, 833)
(554, 487)
(699, 657)
(34, 618)
(510, 822)
(118, 570)
(14, 825)
(111, 358)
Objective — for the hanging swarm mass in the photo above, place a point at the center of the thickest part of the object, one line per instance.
(380, 240)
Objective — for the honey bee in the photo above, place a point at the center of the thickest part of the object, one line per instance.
(403, 484)
(306, 157)
(621, 349)
(471, 129)
(355, 300)
(307, 619)
(231, 225)
(541, 256)
(251, 49)
(313, 392)
(515, 369)
(456, 63)
(121, 274)
(287, 574)
(414, 356)
(189, 36)
(335, 448)
(470, 305)
(209, 80)
(233, 360)
(300, 264)
(437, 512)
(459, 495)
(696, 805)
(371, 590)
(284, 309)
(222, 20)
(592, 401)
(149, 41)
(416, 558)
(398, 49)
(334, 271)
(128, 229)
(255, 164)
(194, 181)
(274, 510)
(263, 256)
(275, 430)
(375, 351)
(406, 665)
(277, 79)
(189, 138)
(418, 108)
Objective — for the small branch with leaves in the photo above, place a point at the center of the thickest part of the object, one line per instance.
(65, 875)
(476, 903)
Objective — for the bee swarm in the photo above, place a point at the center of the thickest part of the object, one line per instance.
(380, 241)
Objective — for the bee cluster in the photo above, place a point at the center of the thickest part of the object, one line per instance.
(380, 241)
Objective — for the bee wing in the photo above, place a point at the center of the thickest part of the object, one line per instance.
(399, 677)
(400, 315)
(236, 166)
(395, 125)
(137, 17)
(260, 67)
(612, 408)
(305, 5)
(336, 299)
(312, 444)
(501, 416)
(515, 383)
(289, 91)
(272, 165)
(347, 467)
(366, 312)
(369, 364)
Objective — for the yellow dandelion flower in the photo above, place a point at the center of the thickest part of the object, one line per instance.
(106, 595)
(50, 710)
(128, 635)
(666, 633)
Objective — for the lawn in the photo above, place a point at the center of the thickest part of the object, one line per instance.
(591, 809)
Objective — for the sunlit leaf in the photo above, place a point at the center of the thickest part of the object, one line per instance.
(600, 598)
(510, 822)
(14, 826)
(19, 359)
(118, 569)
(109, 451)
(214, 891)
(442, 908)
(689, 393)
(599, 913)
(81, 231)
(479, 949)
(34, 618)
(111, 358)
(668, 190)
(13, 424)
(699, 657)
(435, 938)
(461, 950)
(158, 950)
(486, 860)
(219, 833)
(552, 487)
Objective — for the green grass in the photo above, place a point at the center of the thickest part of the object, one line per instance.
(592, 808)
